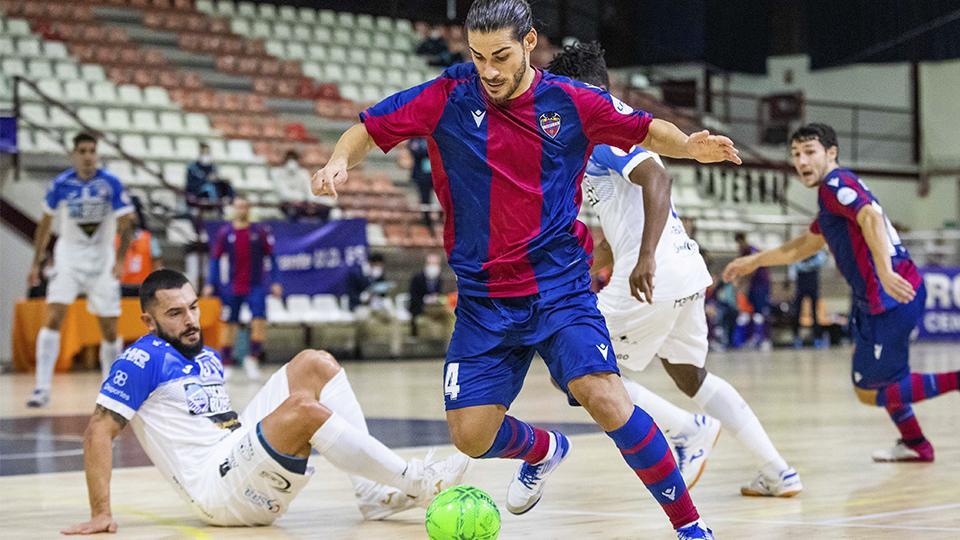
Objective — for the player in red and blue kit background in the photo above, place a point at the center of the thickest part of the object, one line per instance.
(248, 246)
(888, 292)
(508, 145)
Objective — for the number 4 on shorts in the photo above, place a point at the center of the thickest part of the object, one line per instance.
(450, 385)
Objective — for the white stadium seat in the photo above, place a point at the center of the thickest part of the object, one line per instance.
(67, 71)
(268, 11)
(29, 47)
(92, 73)
(247, 9)
(303, 32)
(13, 66)
(51, 88)
(39, 68)
(133, 144)
(287, 13)
(241, 150)
(307, 15)
(322, 34)
(198, 124)
(61, 119)
(144, 121)
(130, 94)
(92, 116)
(157, 96)
(18, 27)
(240, 27)
(300, 307)
(171, 122)
(35, 113)
(117, 120)
(218, 149)
(6, 46)
(175, 174)
(104, 92)
(327, 17)
(225, 7)
(188, 148)
(55, 50)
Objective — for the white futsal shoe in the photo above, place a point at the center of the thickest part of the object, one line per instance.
(39, 398)
(436, 475)
(787, 484)
(380, 502)
(526, 488)
(903, 453)
(251, 367)
(692, 451)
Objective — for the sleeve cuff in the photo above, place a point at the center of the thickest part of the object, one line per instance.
(115, 406)
(634, 161)
(123, 210)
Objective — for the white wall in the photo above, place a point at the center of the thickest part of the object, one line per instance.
(940, 114)
(14, 267)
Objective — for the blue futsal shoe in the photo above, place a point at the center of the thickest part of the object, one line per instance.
(695, 531)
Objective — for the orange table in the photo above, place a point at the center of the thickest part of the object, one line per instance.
(80, 329)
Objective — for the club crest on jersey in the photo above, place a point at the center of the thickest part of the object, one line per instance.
(550, 123)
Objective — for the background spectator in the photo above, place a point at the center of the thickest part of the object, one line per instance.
(293, 188)
(143, 255)
(806, 276)
(201, 175)
(426, 295)
(758, 294)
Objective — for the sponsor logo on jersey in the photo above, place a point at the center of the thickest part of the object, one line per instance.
(227, 464)
(620, 106)
(604, 350)
(120, 378)
(846, 195)
(276, 480)
(245, 448)
(550, 123)
(138, 357)
(261, 500)
(109, 388)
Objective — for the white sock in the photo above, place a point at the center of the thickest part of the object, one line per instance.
(722, 401)
(109, 352)
(337, 395)
(672, 420)
(357, 453)
(48, 350)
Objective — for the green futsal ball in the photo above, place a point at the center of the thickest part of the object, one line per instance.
(463, 513)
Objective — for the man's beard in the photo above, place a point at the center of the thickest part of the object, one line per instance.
(188, 351)
(517, 78)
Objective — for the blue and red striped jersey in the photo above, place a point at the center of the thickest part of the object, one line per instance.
(248, 250)
(842, 195)
(508, 175)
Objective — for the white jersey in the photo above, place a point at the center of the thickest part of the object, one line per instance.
(681, 270)
(178, 407)
(87, 212)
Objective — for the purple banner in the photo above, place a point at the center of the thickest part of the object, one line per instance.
(315, 258)
(942, 317)
(8, 135)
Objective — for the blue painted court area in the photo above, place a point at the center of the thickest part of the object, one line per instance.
(43, 444)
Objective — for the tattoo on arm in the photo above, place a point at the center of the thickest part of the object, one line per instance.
(100, 410)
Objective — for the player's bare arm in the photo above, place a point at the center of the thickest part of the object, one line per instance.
(602, 257)
(40, 240)
(795, 250)
(125, 231)
(874, 228)
(104, 426)
(353, 146)
(667, 139)
(656, 182)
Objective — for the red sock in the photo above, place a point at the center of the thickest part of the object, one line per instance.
(908, 425)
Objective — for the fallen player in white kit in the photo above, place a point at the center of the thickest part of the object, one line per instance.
(654, 303)
(239, 470)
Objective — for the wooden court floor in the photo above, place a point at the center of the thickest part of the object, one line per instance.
(803, 398)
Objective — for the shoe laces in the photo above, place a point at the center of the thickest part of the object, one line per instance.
(530, 474)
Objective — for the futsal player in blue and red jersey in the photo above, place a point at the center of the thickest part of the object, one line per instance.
(247, 246)
(508, 145)
(888, 292)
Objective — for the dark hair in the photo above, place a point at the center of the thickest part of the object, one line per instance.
(739, 237)
(291, 154)
(157, 281)
(583, 62)
(82, 137)
(375, 258)
(816, 131)
(203, 144)
(493, 15)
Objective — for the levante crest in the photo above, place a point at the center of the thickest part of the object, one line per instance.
(550, 123)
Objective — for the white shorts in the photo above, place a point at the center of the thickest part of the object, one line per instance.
(102, 290)
(242, 484)
(675, 330)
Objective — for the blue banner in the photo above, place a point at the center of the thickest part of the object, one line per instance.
(8, 135)
(942, 317)
(315, 258)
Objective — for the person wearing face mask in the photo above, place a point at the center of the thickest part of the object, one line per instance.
(426, 296)
(293, 187)
(201, 177)
(363, 280)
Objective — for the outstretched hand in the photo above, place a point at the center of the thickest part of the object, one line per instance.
(325, 180)
(739, 267)
(707, 148)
